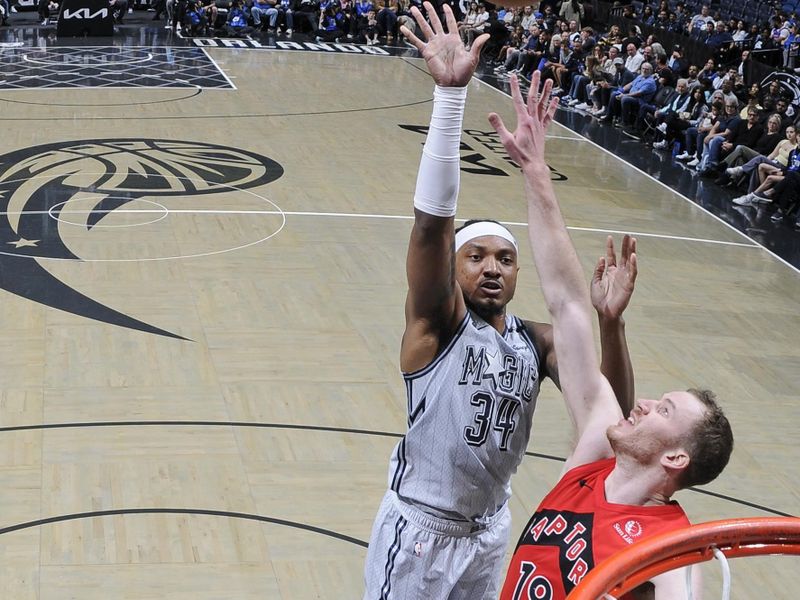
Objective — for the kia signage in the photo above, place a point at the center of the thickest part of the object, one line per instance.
(79, 18)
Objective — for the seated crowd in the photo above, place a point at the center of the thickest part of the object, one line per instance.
(710, 116)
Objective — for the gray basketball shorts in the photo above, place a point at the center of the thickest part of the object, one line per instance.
(413, 555)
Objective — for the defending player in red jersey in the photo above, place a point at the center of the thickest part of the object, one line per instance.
(618, 480)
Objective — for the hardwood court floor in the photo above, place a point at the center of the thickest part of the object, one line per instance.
(204, 405)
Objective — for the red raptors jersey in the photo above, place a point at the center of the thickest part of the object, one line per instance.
(574, 529)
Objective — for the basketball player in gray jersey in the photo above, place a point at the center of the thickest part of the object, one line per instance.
(472, 371)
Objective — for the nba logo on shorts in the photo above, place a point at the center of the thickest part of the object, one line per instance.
(417, 548)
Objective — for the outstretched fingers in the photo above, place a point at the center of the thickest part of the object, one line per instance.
(551, 111)
(477, 45)
(516, 98)
(452, 25)
(611, 255)
(436, 24)
(505, 135)
(411, 37)
(599, 270)
(423, 25)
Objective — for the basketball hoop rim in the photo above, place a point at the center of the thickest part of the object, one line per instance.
(647, 558)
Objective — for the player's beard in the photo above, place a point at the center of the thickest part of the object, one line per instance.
(486, 311)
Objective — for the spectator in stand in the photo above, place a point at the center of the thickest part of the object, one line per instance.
(773, 92)
(633, 38)
(662, 20)
(612, 38)
(677, 63)
(695, 135)
(512, 45)
(306, 13)
(330, 24)
(786, 193)
(765, 147)
(469, 33)
(601, 98)
(592, 71)
(666, 99)
(634, 60)
(387, 20)
(671, 124)
(728, 93)
(730, 75)
(569, 63)
(782, 108)
(547, 22)
(691, 77)
(648, 18)
(468, 20)
(266, 9)
(627, 102)
(664, 75)
(704, 34)
(572, 10)
(527, 56)
(771, 177)
(551, 59)
(362, 9)
(682, 17)
(708, 73)
(606, 73)
(760, 167)
(752, 102)
(528, 18)
(791, 46)
(747, 134)
(194, 22)
(721, 132)
(740, 34)
(586, 41)
(628, 12)
(236, 22)
(285, 15)
(720, 42)
(369, 28)
(699, 21)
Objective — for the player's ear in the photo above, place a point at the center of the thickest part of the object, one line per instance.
(675, 460)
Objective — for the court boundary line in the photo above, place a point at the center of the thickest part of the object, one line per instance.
(221, 70)
(354, 216)
(662, 184)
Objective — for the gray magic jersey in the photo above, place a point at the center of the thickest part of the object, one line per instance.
(469, 420)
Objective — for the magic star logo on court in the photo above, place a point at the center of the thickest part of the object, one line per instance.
(41, 186)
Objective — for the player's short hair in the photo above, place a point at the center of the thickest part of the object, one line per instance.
(709, 443)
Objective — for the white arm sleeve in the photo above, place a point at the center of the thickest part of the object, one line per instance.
(438, 178)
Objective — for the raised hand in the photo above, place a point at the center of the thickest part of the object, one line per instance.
(526, 145)
(612, 283)
(449, 62)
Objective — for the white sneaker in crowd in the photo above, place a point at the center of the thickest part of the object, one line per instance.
(582, 106)
(684, 156)
(746, 200)
(734, 171)
(574, 102)
(288, 32)
(662, 128)
(693, 163)
(662, 145)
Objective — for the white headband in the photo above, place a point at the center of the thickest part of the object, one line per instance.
(480, 229)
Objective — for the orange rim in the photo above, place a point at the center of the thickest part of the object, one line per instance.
(643, 560)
